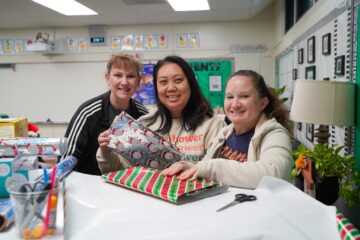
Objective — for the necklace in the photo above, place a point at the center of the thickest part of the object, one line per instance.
(177, 138)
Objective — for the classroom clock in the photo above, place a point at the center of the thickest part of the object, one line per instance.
(97, 40)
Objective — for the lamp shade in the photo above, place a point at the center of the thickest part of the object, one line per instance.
(323, 102)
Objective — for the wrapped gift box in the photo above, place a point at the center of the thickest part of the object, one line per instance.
(169, 188)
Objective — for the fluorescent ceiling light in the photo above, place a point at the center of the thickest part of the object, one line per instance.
(189, 5)
(67, 7)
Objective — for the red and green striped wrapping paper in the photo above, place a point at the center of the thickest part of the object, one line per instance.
(151, 182)
(346, 229)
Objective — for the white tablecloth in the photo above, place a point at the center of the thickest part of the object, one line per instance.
(99, 210)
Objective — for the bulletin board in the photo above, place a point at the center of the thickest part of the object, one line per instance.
(212, 75)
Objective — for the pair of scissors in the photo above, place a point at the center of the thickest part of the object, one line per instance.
(239, 198)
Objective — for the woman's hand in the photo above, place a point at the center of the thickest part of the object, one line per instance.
(189, 174)
(182, 170)
(175, 169)
(104, 140)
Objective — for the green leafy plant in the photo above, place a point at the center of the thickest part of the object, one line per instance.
(278, 92)
(328, 163)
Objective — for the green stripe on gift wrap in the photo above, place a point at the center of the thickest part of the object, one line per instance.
(189, 186)
(132, 177)
(118, 176)
(346, 229)
(158, 186)
(145, 181)
(174, 190)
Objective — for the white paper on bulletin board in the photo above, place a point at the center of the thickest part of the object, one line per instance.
(215, 83)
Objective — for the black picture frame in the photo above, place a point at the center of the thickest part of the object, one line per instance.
(326, 44)
(299, 126)
(340, 65)
(294, 73)
(310, 132)
(311, 50)
(301, 56)
(310, 72)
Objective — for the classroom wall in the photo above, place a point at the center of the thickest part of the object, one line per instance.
(289, 43)
(312, 16)
(88, 66)
(324, 17)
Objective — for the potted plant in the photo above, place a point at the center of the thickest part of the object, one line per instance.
(330, 167)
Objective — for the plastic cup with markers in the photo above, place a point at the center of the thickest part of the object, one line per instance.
(30, 203)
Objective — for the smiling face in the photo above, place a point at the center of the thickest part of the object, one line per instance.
(243, 105)
(123, 84)
(173, 88)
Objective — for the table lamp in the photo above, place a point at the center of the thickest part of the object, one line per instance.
(325, 103)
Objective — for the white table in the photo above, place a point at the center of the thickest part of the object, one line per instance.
(99, 210)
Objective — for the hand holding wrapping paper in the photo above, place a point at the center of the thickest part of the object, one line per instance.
(139, 145)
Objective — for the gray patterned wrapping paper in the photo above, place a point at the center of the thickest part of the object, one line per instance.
(140, 145)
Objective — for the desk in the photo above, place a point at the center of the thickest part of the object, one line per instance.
(99, 210)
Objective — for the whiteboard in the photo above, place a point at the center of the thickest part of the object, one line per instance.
(41, 91)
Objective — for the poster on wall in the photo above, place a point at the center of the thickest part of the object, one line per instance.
(181, 40)
(19, 45)
(150, 41)
(8, 46)
(139, 42)
(194, 40)
(127, 42)
(146, 92)
(115, 42)
(163, 40)
(83, 43)
(71, 43)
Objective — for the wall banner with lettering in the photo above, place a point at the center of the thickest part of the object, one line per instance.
(212, 75)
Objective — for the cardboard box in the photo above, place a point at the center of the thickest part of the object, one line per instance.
(13, 127)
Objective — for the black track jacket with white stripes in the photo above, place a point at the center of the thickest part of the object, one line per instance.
(90, 119)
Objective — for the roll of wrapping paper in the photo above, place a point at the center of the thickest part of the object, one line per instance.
(11, 147)
(6, 213)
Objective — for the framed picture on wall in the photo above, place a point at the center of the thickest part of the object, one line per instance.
(340, 65)
(294, 73)
(311, 49)
(299, 126)
(326, 44)
(300, 56)
(310, 72)
(310, 132)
